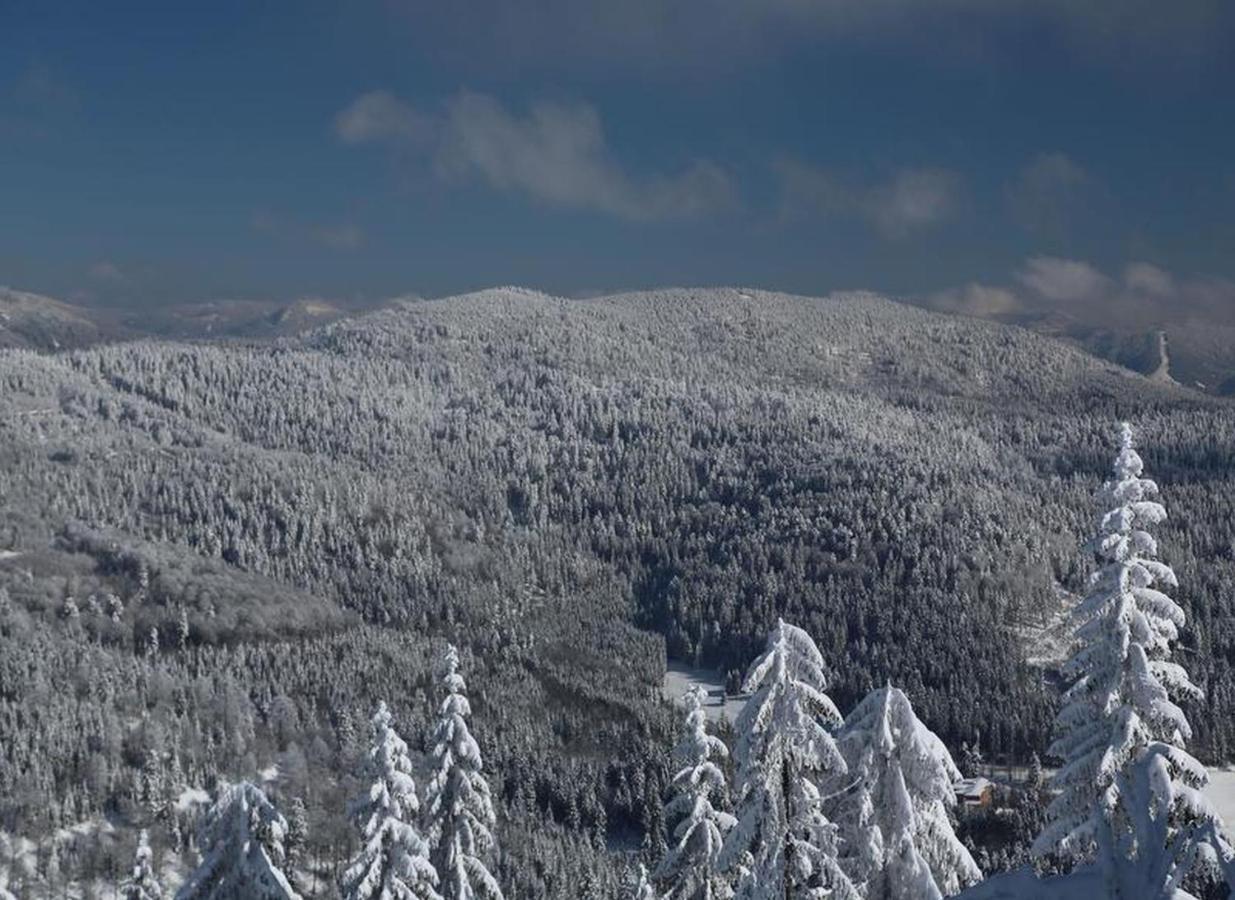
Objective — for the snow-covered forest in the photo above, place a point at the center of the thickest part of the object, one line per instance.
(385, 609)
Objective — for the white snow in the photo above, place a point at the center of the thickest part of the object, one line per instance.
(680, 678)
(1221, 793)
(191, 798)
(9, 554)
(1022, 884)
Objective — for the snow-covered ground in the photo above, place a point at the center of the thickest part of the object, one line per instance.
(9, 554)
(679, 678)
(191, 800)
(1221, 793)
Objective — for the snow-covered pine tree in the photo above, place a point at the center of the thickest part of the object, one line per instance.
(1129, 794)
(242, 849)
(458, 806)
(393, 860)
(142, 883)
(690, 869)
(893, 809)
(297, 833)
(783, 846)
(639, 887)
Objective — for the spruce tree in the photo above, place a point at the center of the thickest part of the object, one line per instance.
(690, 870)
(639, 886)
(893, 809)
(393, 860)
(142, 884)
(297, 833)
(241, 840)
(458, 805)
(1129, 794)
(783, 845)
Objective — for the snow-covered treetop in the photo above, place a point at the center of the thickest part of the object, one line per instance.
(788, 708)
(690, 868)
(1127, 623)
(884, 722)
(784, 751)
(1124, 687)
(697, 748)
(459, 806)
(394, 859)
(898, 838)
(393, 792)
(242, 842)
(453, 738)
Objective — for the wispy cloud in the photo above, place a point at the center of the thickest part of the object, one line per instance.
(1063, 280)
(554, 153)
(380, 115)
(976, 299)
(1142, 295)
(909, 200)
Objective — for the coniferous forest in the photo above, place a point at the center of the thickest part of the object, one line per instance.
(386, 609)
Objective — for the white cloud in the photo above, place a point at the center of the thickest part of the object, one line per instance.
(910, 200)
(1063, 280)
(556, 154)
(1149, 279)
(1146, 296)
(976, 300)
(380, 115)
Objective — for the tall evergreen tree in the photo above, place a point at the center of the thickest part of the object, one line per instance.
(297, 833)
(142, 884)
(639, 886)
(393, 860)
(783, 845)
(242, 838)
(458, 805)
(690, 870)
(893, 811)
(1129, 794)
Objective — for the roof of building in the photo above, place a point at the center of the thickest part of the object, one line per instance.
(973, 787)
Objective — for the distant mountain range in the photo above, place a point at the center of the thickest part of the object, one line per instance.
(45, 323)
(1195, 353)
(1199, 355)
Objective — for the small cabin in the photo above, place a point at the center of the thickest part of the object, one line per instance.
(975, 792)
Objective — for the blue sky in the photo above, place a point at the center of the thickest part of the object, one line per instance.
(164, 152)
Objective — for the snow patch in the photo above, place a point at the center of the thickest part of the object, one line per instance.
(1023, 884)
(1221, 793)
(680, 678)
(191, 798)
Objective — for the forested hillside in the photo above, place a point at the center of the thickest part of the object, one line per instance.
(215, 558)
